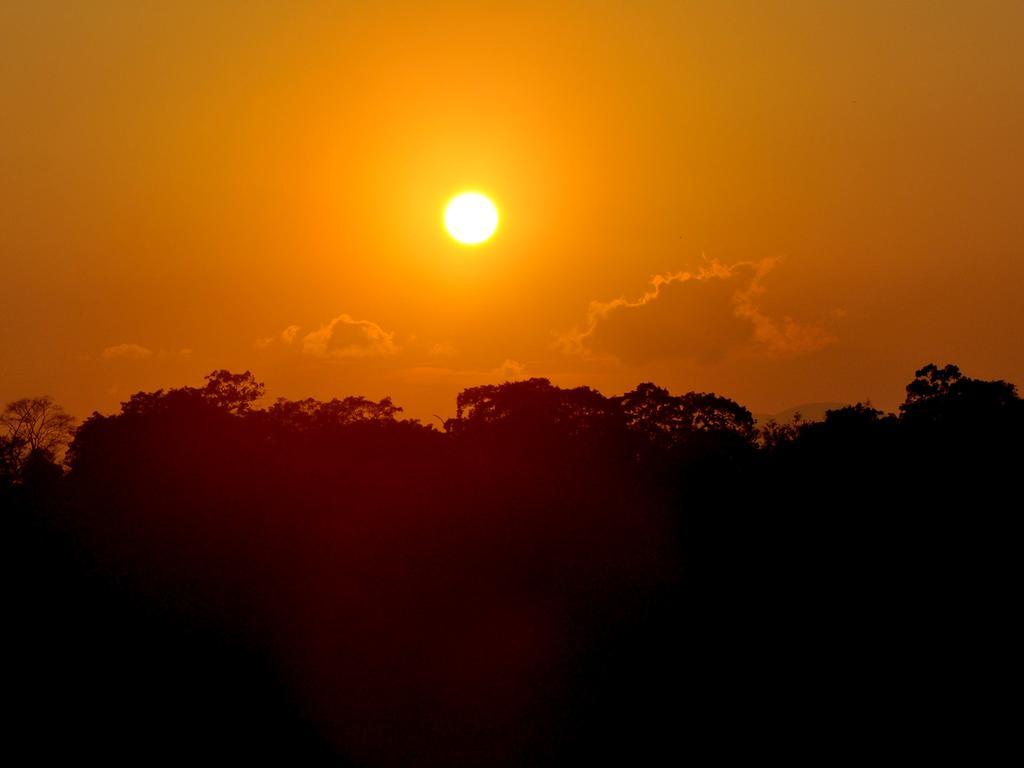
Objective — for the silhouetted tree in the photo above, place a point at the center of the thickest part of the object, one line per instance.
(773, 437)
(310, 413)
(11, 451)
(533, 406)
(932, 381)
(653, 413)
(235, 392)
(559, 577)
(668, 420)
(938, 395)
(34, 426)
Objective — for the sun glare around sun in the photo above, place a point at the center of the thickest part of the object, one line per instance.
(471, 218)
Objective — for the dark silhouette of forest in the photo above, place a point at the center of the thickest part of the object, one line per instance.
(556, 577)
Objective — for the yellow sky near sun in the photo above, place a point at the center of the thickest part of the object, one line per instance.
(182, 185)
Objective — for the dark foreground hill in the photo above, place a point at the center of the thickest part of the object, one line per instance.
(557, 577)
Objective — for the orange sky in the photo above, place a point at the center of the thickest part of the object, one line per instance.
(779, 202)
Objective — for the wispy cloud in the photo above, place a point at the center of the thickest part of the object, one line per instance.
(442, 349)
(287, 336)
(508, 370)
(126, 352)
(344, 336)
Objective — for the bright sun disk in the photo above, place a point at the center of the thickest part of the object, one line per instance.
(471, 218)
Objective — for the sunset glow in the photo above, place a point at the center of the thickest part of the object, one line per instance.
(204, 185)
(456, 383)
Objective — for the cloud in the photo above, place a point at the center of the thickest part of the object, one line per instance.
(287, 336)
(702, 315)
(345, 337)
(509, 370)
(126, 352)
(443, 349)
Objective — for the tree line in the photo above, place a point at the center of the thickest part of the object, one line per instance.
(555, 575)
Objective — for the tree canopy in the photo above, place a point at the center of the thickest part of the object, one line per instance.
(558, 575)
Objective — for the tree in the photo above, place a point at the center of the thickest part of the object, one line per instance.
(10, 459)
(932, 381)
(34, 426)
(774, 437)
(234, 392)
(945, 395)
(310, 413)
(224, 391)
(668, 420)
(534, 406)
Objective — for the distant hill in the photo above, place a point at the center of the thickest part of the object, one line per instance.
(807, 411)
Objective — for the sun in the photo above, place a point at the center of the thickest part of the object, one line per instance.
(471, 218)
